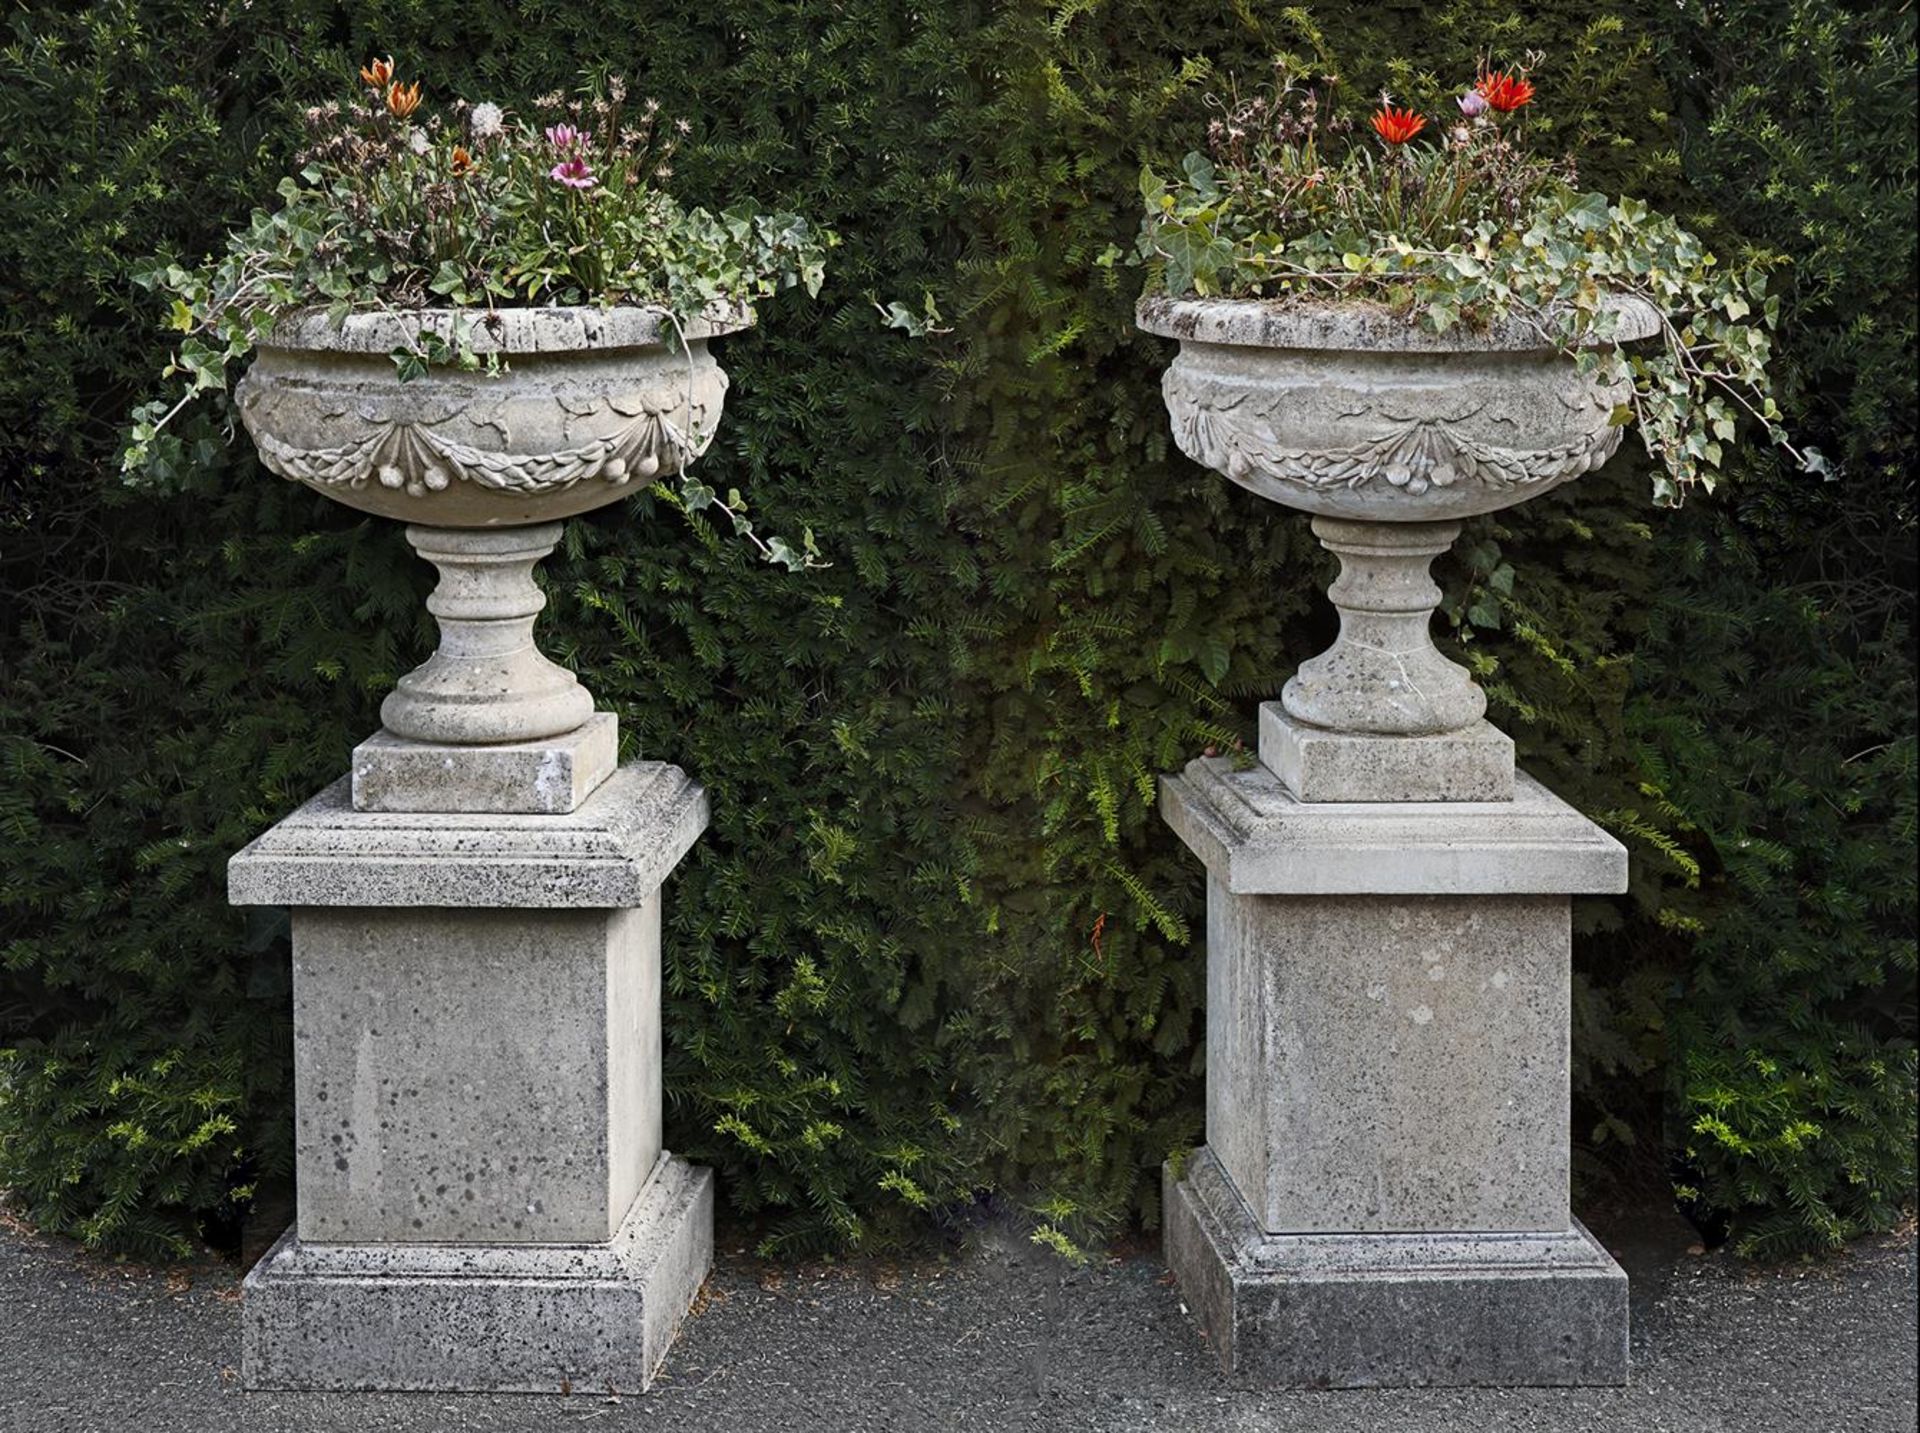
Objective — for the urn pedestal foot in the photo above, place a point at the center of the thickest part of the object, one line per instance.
(1383, 675)
(1380, 1310)
(486, 682)
(483, 1201)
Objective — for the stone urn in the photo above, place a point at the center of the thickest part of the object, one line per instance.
(1388, 435)
(485, 1201)
(1383, 1196)
(589, 405)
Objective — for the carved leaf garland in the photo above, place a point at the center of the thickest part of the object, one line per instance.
(1233, 433)
(410, 455)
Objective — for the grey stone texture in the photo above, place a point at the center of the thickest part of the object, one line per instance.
(486, 682)
(527, 778)
(1390, 1063)
(499, 1318)
(1351, 410)
(591, 404)
(474, 1076)
(1388, 435)
(1383, 675)
(1473, 764)
(1350, 328)
(483, 1200)
(583, 407)
(615, 850)
(1386, 1310)
(1257, 838)
(1383, 1198)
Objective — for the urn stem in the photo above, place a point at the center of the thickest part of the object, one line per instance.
(487, 682)
(1383, 676)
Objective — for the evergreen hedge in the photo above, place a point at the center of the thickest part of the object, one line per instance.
(936, 943)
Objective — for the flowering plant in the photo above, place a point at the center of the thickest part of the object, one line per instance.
(1457, 222)
(474, 207)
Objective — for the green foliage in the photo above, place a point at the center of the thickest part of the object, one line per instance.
(936, 940)
(1776, 697)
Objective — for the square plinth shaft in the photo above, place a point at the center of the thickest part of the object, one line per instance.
(1391, 1310)
(1390, 1062)
(1315, 765)
(470, 1076)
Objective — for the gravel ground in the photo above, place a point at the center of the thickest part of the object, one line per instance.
(1000, 1337)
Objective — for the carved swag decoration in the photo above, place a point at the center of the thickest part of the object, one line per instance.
(410, 455)
(1234, 432)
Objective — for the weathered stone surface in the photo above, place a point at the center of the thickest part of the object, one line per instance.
(1257, 838)
(592, 403)
(614, 851)
(501, 1318)
(1384, 1196)
(474, 1076)
(486, 682)
(482, 1198)
(1475, 764)
(1348, 325)
(544, 778)
(1388, 1063)
(1346, 409)
(1388, 434)
(1383, 675)
(1379, 1310)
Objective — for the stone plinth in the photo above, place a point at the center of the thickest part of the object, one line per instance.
(1383, 1196)
(484, 1200)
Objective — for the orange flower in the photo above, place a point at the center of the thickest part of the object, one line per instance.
(402, 100)
(1397, 126)
(377, 74)
(462, 161)
(1505, 92)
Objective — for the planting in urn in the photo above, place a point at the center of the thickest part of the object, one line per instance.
(1446, 234)
(1397, 323)
(477, 318)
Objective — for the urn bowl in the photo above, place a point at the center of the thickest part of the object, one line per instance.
(1348, 409)
(590, 404)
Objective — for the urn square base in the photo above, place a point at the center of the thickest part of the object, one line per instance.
(495, 1318)
(534, 778)
(1315, 765)
(1391, 1310)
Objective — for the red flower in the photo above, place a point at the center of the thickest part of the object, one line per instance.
(1397, 126)
(1505, 92)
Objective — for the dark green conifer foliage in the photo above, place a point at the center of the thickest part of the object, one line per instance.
(936, 940)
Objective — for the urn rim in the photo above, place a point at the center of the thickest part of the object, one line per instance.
(512, 331)
(1364, 325)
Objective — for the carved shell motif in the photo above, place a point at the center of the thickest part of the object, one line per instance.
(1233, 431)
(410, 455)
